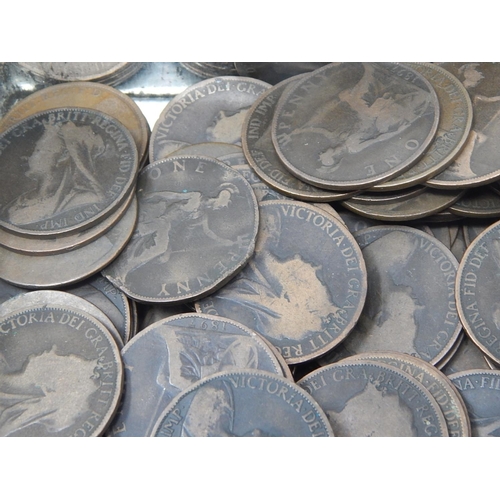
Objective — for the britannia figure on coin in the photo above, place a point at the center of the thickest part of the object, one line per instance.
(29, 398)
(187, 213)
(373, 110)
(63, 168)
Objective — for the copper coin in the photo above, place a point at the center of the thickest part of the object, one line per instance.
(349, 126)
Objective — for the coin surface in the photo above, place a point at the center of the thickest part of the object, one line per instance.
(50, 271)
(64, 170)
(275, 72)
(442, 390)
(477, 202)
(477, 164)
(243, 403)
(303, 298)
(410, 274)
(61, 373)
(85, 95)
(480, 391)
(477, 289)
(370, 399)
(198, 221)
(210, 111)
(172, 354)
(348, 126)
(455, 121)
(259, 150)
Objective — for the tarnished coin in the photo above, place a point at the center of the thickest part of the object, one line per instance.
(473, 228)
(467, 357)
(172, 354)
(410, 305)
(60, 373)
(304, 298)
(455, 121)
(480, 389)
(451, 235)
(477, 202)
(212, 149)
(7, 291)
(348, 126)
(275, 72)
(249, 403)
(111, 301)
(62, 243)
(50, 271)
(259, 150)
(477, 291)
(210, 111)
(43, 298)
(429, 202)
(442, 390)
(198, 220)
(64, 170)
(370, 399)
(478, 163)
(104, 72)
(85, 95)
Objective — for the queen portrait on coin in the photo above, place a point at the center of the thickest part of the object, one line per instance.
(62, 169)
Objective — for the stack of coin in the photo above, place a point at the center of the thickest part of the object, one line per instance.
(68, 195)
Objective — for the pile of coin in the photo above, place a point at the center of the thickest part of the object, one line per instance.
(308, 255)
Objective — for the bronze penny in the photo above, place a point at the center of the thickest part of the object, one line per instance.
(349, 126)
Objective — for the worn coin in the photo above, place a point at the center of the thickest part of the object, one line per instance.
(172, 354)
(477, 202)
(348, 126)
(410, 305)
(198, 220)
(111, 301)
(250, 403)
(425, 204)
(275, 72)
(477, 164)
(442, 390)
(64, 170)
(304, 298)
(473, 228)
(61, 373)
(65, 242)
(261, 155)
(455, 121)
(477, 291)
(480, 391)
(370, 399)
(212, 110)
(85, 95)
(50, 271)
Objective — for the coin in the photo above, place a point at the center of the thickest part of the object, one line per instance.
(111, 301)
(441, 389)
(473, 228)
(427, 203)
(260, 153)
(85, 95)
(198, 220)
(212, 110)
(64, 170)
(63, 243)
(477, 202)
(479, 389)
(303, 298)
(43, 298)
(61, 373)
(172, 354)
(275, 72)
(243, 403)
(51, 271)
(477, 289)
(477, 164)
(349, 126)
(370, 399)
(455, 121)
(410, 305)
